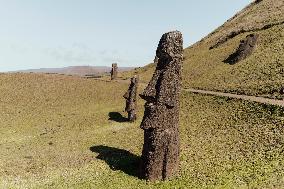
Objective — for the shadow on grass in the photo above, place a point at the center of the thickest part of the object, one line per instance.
(118, 159)
(116, 116)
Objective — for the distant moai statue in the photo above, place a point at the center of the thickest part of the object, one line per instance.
(113, 71)
(160, 155)
(244, 50)
(131, 97)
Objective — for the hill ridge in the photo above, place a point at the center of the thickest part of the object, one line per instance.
(241, 31)
(260, 74)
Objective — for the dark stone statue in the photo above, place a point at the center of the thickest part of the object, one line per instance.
(244, 50)
(131, 96)
(160, 155)
(113, 71)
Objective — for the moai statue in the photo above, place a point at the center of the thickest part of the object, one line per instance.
(244, 50)
(131, 96)
(160, 155)
(113, 71)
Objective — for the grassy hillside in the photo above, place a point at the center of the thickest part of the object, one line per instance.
(261, 74)
(69, 132)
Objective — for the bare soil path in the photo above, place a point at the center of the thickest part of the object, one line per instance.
(243, 97)
(221, 94)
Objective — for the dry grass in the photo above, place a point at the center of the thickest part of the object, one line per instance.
(56, 133)
(261, 74)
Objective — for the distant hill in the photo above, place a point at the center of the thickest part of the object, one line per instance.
(69, 132)
(260, 74)
(77, 70)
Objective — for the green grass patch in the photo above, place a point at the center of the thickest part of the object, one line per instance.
(56, 132)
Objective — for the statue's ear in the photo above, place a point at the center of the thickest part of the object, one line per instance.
(170, 104)
(171, 101)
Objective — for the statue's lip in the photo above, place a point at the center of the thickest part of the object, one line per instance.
(147, 98)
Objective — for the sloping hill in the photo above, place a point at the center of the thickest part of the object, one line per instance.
(70, 132)
(257, 16)
(260, 74)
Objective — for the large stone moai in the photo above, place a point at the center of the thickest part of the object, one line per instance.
(113, 71)
(160, 155)
(131, 96)
(244, 50)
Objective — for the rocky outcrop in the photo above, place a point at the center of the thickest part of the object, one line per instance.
(160, 155)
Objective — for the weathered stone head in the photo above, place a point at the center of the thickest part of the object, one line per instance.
(160, 155)
(131, 97)
(113, 71)
(162, 93)
(244, 50)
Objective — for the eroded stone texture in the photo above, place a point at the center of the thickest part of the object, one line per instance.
(131, 96)
(244, 50)
(160, 155)
(113, 71)
(281, 91)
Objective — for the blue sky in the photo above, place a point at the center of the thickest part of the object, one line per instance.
(58, 33)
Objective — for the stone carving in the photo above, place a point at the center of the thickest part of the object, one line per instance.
(113, 71)
(131, 96)
(160, 155)
(244, 50)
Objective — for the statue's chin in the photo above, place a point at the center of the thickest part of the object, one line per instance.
(146, 123)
